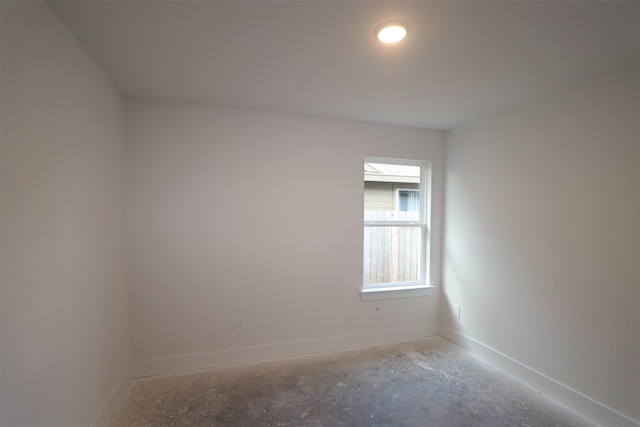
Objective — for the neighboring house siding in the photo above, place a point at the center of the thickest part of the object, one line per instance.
(380, 196)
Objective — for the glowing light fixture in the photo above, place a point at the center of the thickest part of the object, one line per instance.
(392, 32)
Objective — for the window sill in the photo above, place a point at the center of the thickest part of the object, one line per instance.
(393, 292)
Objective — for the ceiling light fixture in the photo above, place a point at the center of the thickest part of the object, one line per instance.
(392, 32)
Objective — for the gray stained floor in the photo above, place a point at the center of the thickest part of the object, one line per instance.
(422, 383)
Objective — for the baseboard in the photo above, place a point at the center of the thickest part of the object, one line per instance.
(103, 417)
(262, 353)
(565, 395)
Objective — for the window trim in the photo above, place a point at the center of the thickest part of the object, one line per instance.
(421, 287)
(373, 294)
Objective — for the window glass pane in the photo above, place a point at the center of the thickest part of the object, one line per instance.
(391, 192)
(392, 254)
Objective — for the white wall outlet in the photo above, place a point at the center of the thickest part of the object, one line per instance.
(455, 310)
(240, 324)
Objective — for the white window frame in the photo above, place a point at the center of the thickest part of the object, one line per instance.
(422, 286)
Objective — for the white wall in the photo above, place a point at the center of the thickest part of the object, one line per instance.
(245, 214)
(541, 246)
(65, 322)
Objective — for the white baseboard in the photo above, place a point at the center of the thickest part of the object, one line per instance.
(573, 399)
(262, 353)
(103, 417)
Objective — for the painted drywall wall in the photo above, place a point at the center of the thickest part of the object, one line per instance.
(65, 321)
(241, 214)
(541, 246)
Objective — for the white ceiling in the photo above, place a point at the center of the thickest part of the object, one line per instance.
(462, 59)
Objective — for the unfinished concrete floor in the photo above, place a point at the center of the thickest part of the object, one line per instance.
(422, 383)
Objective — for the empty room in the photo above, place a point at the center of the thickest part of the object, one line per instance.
(323, 213)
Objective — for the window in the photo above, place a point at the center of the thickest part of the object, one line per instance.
(396, 218)
(407, 200)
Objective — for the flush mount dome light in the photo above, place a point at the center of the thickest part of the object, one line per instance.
(392, 32)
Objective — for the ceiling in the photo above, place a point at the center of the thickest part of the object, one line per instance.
(462, 60)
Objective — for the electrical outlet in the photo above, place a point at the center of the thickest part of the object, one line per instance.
(240, 325)
(455, 309)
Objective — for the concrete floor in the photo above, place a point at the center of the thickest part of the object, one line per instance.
(423, 383)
